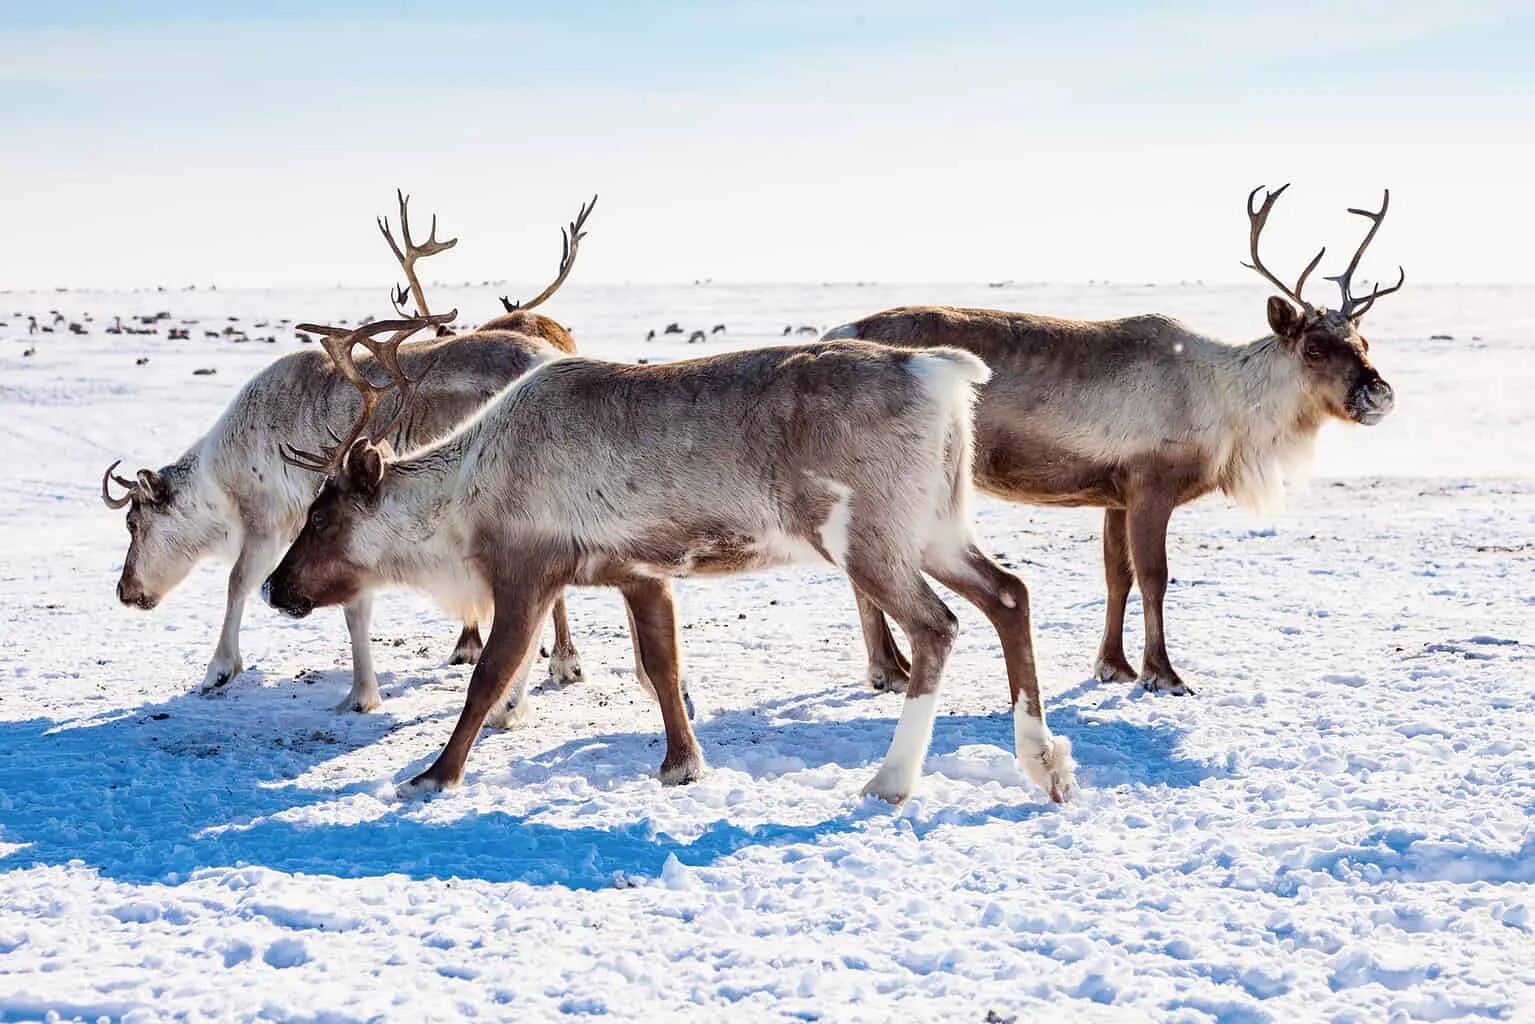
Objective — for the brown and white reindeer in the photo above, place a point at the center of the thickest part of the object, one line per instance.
(1143, 414)
(231, 496)
(593, 473)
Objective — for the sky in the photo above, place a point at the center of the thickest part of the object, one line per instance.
(171, 143)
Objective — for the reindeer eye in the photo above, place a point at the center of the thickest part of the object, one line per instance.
(1315, 350)
(317, 519)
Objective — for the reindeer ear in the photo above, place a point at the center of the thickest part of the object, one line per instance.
(363, 467)
(1284, 319)
(152, 487)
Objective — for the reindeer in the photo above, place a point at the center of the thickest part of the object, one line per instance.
(231, 496)
(602, 474)
(1144, 414)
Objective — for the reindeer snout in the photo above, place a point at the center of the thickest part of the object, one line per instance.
(288, 603)
(130, 593)
(1372, 401)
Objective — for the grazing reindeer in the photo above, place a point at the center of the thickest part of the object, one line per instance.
(602, 474)
(1143, 414)
(231, 496)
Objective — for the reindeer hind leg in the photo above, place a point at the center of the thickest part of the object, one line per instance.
(1004, 600)
(906, 597)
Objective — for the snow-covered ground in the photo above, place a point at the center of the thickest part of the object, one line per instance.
(1337, 827)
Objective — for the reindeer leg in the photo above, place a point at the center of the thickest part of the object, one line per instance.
(1148, 516)
(1003, 598)
(653, 623)
(564, 663)
(257, 558)
(519, 613)
(363, 696)
(888, 668)
(907, 599)
(467, 650)
(516, 708)
(1112, 666)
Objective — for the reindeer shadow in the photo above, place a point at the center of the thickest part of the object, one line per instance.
(164, 790)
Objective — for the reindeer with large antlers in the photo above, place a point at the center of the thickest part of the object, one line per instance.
(1141, 415)
(234, 496)
(603, 474)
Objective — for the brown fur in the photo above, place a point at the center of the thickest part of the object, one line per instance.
(1137, 416)
(603, 474)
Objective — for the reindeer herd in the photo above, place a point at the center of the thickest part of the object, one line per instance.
(493, 469)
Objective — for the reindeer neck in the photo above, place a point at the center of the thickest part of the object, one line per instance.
(1270, 422)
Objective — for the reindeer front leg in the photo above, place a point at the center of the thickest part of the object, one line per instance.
(1118, 575)
(363, 696)
(1149, 514)
(519, 614)
(257, 558)
(888, 669)
(564, 662)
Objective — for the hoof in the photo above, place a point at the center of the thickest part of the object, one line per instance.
(218, 677)
(422, 785)
(510, 716)
(466, 654)
(1165, 682)
(688, 769)
(565, 667)
(360, 704)
(1052, 769)
(891, 790)
(1110, 670)
(887, 680)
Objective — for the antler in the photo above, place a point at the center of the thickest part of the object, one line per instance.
(1355, 308)
(412, 252)
(570, 242)
(106, 496)
(1259, 218)
(339, 343)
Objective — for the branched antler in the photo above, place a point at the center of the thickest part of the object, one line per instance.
(339, 343)
(412, 252)
(1355, 308)
(1258, 219)
(570, 242)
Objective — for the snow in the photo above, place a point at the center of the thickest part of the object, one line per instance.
(1338, 826)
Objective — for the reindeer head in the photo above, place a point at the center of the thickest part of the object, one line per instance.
(170, 529)
(326, 564)
(1333, 356)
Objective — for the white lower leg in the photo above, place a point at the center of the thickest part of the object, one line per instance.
(226, 663)
(364, 695)
(1045, 759)
(565, 665)
(898, 774)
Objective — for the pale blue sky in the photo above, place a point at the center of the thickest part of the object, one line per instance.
(167, 142)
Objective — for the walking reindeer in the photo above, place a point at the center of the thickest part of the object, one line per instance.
(594, 473)
(1144, 414)
(232, 495)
